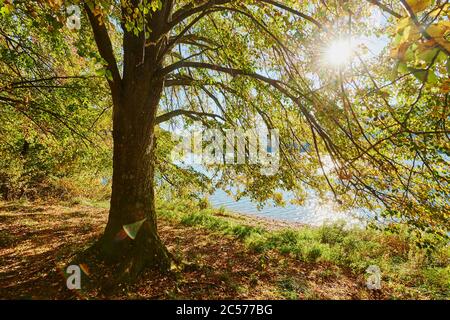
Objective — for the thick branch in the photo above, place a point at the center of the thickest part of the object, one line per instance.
(204, 65)
(189, 10)
(181, 112)
(104, 46)
(193, 39)
(178, 82)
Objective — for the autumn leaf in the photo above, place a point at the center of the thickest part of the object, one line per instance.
(419, 5)
(400, 51)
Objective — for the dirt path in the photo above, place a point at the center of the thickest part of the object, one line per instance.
(37, 242)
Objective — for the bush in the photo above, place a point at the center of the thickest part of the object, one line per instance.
(35, 166)
(313, 254)
(333, 234)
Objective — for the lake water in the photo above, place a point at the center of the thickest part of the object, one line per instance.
(312, 213)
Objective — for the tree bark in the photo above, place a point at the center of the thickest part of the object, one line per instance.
(133, 197)
(136, 95)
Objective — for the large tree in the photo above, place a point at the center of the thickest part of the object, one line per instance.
(227, 63)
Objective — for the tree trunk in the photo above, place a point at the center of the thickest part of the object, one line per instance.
(133, 197)
(136, 95)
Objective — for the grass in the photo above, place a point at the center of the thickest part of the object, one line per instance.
(407, 270)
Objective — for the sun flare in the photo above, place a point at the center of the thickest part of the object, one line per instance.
(339, 52)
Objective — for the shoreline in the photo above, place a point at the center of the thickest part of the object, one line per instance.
(270, 224)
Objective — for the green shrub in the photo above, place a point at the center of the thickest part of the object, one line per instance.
(333, 233)
(313, 254)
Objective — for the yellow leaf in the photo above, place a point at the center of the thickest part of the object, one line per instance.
(440, 11)
(403, 23)
(438, 30)
(400, 51)
(419, 5)
(445, 44)
(426, 45)
(411, 34)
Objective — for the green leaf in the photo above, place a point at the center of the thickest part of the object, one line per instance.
(432, 77)
(420, 74)
(427, 55)
(423, 75)
(100, 72)
(402, 68)
(108, 75)
(156, 5)
(6, 9)
(394, 72)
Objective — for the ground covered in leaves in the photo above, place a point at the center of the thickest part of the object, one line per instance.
(38, 242)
